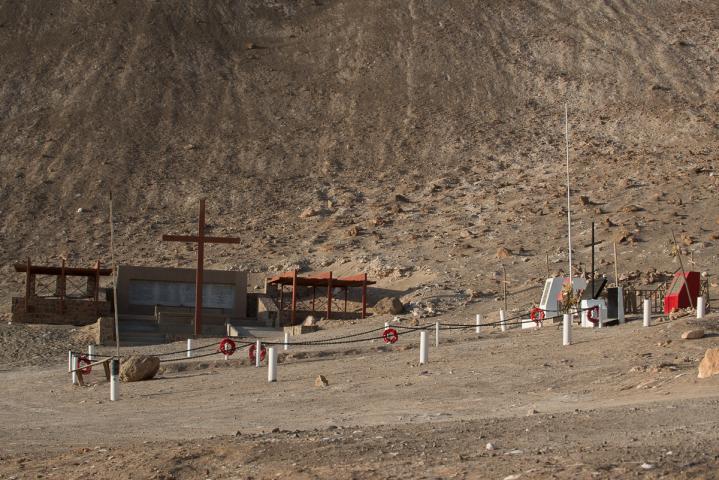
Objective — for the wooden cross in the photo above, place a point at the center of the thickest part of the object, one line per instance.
(200, 239)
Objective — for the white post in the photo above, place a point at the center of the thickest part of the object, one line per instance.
(436, 334)
(386, 325)
(502, 323)
(258, 350)
(91, 352)
(700, 307)
(73, 367)
(189, 348)
(287, 340)
(567, 329)
(114, 380)
(423, 354)
(272, 365)
(478, 321)
(647, 313)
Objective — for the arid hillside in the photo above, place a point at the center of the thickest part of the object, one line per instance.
(416, 136)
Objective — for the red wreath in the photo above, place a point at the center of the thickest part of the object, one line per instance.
(84, 370)
(593, 314)
(390, 335)
(536, 315)
(253, 349)
(227, 346)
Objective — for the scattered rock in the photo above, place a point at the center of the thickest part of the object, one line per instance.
(710, 363)
(584, 199)
(503, 252)
(321, 381)
(401, 198)
(310, 212)
(632, 208)
(310, 321)
(693, 334)
(647, 466)
(136, 368)
(353, 231)
(391, 305)
(489, 446)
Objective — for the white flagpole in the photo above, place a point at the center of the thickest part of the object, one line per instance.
(569, 213)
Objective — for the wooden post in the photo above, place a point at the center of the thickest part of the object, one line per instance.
(294, 297)
(616, 268)
(364, 295)
(346, 291)
(62, 289)
(200, 267)
(27, 285)
(504, 275)
(329, 296)
(282, 299)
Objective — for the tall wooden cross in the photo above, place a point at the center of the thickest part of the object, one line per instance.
(201, 240)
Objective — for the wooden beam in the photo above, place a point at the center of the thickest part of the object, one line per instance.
(195, 239)
(293, 314)
(329, 296)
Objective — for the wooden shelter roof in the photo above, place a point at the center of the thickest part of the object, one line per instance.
(67, 271)
(320, 280)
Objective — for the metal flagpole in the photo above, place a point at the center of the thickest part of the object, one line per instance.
(114, 281)
(569, 213)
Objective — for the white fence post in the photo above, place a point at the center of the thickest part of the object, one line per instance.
(477, 321)
(189, 348)
(700, 307)
(114, 380)
(423, 354)
(272, 365)
(287, 341)
(502, 322)
(436, 334)
(258, 352)
(73, 366)
(647, 313)
(91, 352)
(567, 329)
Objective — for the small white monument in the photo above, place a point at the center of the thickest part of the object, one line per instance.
(552, 295)
(600, 320)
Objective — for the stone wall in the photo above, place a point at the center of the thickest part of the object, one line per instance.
(52, 311)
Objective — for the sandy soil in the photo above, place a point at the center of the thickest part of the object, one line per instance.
(620, 397)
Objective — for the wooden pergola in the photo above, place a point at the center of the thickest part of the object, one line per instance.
(61, 273)
(324, 280)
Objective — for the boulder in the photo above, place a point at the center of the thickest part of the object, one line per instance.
(693, 334)
(136, 368)
(710, 363)
(503, 252)
(391, 305)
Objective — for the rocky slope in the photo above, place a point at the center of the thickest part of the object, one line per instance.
(421, 136)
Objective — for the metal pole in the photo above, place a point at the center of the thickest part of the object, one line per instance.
(478, 321)
(189, 348)
(569, 213)
(436, 334)
(647, 313)
(114, 281)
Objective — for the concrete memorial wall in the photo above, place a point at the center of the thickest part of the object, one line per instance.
(141, 289)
